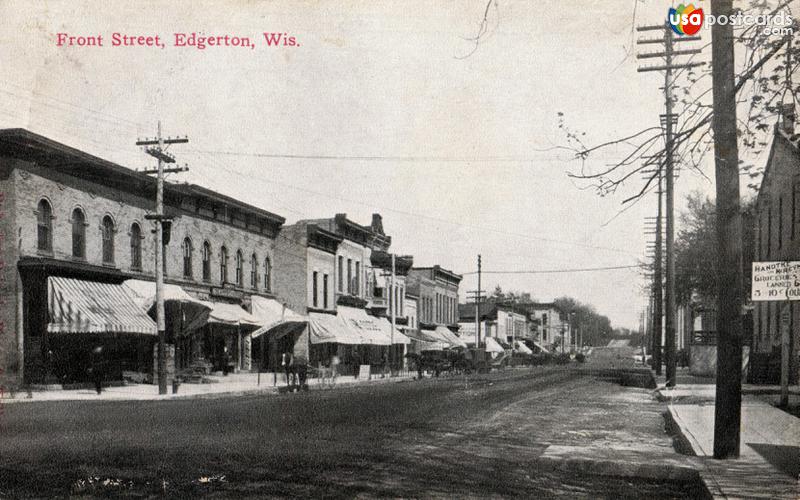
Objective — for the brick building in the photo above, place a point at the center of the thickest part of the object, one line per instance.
(68, 214)
(349, 295)
(437, 289)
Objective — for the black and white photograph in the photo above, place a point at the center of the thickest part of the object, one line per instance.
(429, 249)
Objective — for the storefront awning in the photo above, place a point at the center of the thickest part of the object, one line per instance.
(329, 328)
(493, 346)
(273, 316)
(541, 347)
(193, 312)
(521, 347)
(450, 337)
(76, 306)
(230, 314)
(423, 341)
(398, 337)
(364, 326)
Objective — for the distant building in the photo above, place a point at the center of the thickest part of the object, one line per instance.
(504, 322)
(548, 323)
(437, 290)
(349, 278)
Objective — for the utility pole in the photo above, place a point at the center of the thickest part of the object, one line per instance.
(156, 150)
(658, 281)
(478, 308)
(395, 302)
(728, 405)
(669, 120)
(477, 296)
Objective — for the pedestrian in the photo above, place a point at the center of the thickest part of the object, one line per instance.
(97, 368)
(225, 360)
(300, 362)
(287, 361)
(385, 363)
(334, 369)
(356, 362)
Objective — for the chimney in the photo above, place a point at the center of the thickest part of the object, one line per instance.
(787, 118)
(377, 223)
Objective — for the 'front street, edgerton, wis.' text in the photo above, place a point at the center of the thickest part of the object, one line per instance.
(195, 40)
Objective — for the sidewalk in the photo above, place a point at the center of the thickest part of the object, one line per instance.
(769, 461)
(233, 384)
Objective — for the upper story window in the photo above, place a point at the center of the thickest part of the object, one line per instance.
(267, 274)
(136, 246)
(108, 230)
(78, 234)
(254, 271)
(325, 291)
(44, 226)
(314, 290)
(223, 265)
(206, 261)
(341, 274)
(350, 276)
(239, 268)
(187, 257)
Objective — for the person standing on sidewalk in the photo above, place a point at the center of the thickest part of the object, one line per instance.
(287, 361)
(334, 368)
(98, 368)
(301, 370)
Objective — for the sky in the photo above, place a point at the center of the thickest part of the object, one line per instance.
(380, 106)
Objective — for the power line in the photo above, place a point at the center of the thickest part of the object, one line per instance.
(421, 159)
(554, 271)
(428, 217)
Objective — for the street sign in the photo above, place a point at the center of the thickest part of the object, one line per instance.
(776, 281)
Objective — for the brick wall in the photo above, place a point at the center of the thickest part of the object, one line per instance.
(10, 357)
(291, 258)
(24, 185)
(65, 194)
(323, 263)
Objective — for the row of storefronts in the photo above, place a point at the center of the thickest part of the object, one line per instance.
(242, 288)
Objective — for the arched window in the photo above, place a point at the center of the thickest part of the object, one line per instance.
(239, 268)
(223, 265)
(108, 239)
(44, 224)
(267, 274)
(206, 261)
(187, 258)
(78, 234)
(136, 246)
(254, 271)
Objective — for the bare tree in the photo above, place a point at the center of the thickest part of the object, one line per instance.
(765, 77)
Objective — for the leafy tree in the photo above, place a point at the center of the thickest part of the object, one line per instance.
(595, 328)
(696, 250)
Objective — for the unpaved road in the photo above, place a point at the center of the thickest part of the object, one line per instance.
(460, 437)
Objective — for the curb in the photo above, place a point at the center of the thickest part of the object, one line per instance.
(272, 390)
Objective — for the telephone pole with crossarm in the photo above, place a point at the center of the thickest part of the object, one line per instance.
(156, 149)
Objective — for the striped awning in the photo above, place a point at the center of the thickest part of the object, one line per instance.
(230, 314)
(445, 336)
(398, 337)
(76, 306)
(274, 316)
(329, 328)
